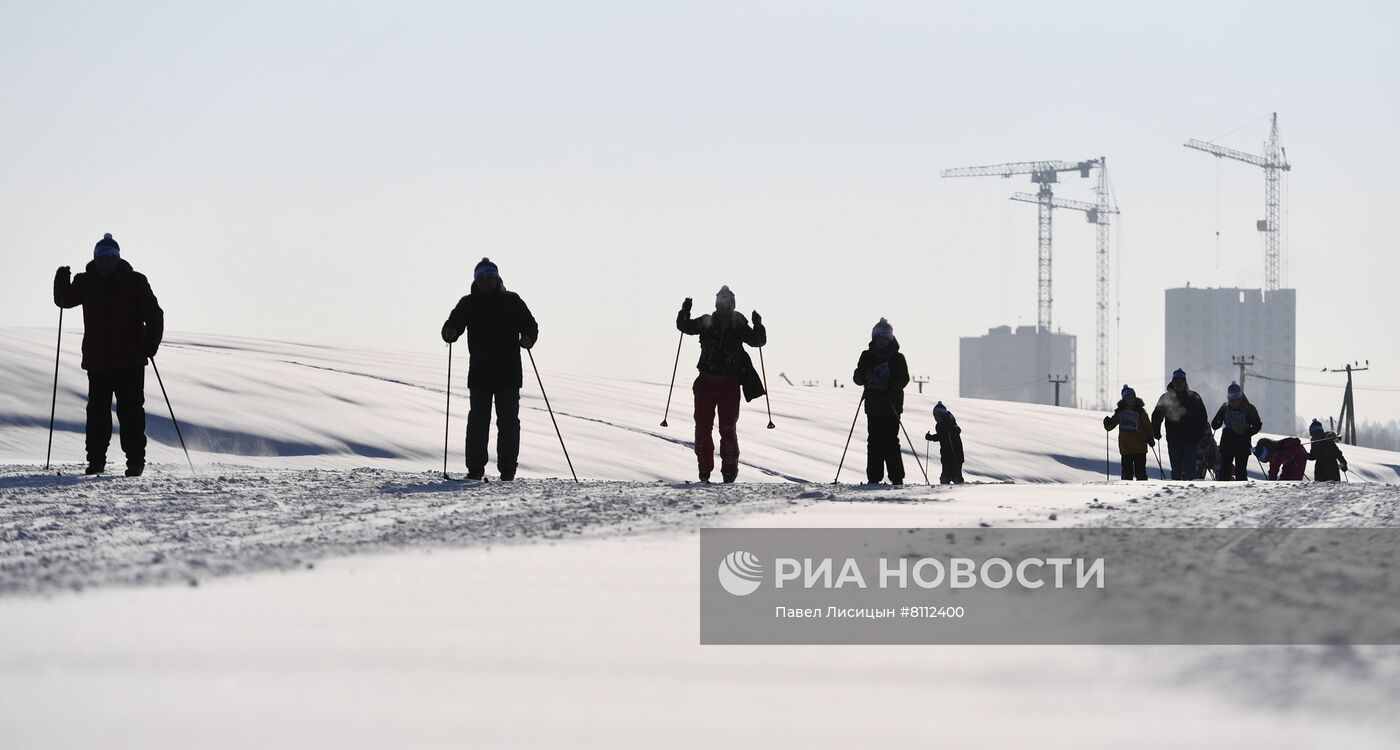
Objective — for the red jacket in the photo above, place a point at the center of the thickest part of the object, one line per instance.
(122, 322)
(1291, 457)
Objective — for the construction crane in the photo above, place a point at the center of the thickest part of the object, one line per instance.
(1096, 213)
(1273, 162)
(1045, 174)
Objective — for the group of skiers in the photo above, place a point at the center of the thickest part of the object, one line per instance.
(123, 325)
(1191, 446)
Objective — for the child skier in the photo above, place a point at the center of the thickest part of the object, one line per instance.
(1134, 433)
(1325, 451)
(950, 448)
(884, 373)
(1238, 422)
(1207, 456)
(1286, 456)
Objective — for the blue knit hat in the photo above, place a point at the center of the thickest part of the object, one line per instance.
(882, 330)
(107, 248)
(486, 268)
(1261, 452)
(1234, 391)
(1128, 392)
(1180, 374)
(939, 409)
(1316, 428)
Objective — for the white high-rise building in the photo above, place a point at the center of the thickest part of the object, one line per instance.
(1016, 366)
(1207, 329)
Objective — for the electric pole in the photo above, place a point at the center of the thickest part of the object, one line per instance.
(1347, 421)
(1061, 380)
(919, 381)
(1242, 362)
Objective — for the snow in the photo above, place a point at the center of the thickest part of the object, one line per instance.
(317, 585)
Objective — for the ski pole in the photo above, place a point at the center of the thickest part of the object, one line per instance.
(447, 426)
(540, 380)
(1107, 478)
(671, 389)
(926, 458)
(172, 414)
(848, 440)
(764, 370)
(916, 453)
(53, 405)
(1161, 475)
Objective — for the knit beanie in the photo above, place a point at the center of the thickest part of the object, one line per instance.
(1316, 428)
(486, 268)
(107, 248)
(1234, 391)
(882, 330)
(939, 409)
(1128, 392)
(1180, 374)
(724, 297)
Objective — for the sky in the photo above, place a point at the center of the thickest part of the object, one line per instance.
(331, 172)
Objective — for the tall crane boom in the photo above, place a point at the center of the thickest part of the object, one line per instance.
(1045, 174)
(1095, 213)
(1274, 161)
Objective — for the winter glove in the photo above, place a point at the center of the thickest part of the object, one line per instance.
(150, 350)
(1344, 464)
(527, 341)
(1108, 423)
(1151, 441)
(929, 436)
(63, 274)
(685, 306)
(757, 319)
(449, 333)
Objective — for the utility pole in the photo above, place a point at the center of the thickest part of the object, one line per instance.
(1347, 420)
(919, 381)
(785, 378)
(1242, 362)
(1061, 380)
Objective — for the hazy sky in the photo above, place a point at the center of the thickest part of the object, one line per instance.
(331, 172)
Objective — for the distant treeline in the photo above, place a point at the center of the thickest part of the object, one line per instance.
(1384, 435)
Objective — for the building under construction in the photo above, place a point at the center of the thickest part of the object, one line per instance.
(1008, 365)
(1210, 333)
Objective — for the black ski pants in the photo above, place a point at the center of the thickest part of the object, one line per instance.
(882, 451)
(128, 384)
(507, 429)
(1234, 461)
(1135, 466)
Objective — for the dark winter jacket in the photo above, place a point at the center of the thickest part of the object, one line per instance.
(1240, 423)
(722, 339)
(1289, 457)
(1330, 461)
(1184, 413)
(949, 436)
(494, 323)
(122, 322)
(883, 397)
(1134, 426)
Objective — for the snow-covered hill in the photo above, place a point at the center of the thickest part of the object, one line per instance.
(284, 405)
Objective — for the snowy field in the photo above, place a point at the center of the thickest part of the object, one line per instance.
(317, 585)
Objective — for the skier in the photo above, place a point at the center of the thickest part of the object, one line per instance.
(950, 447)
(884, 373)
(122, 329)
(1181, 408)
(498, 325)
(1325, 451)
(1240, 422)
(1134, 433)
(725, 370)
(1287, 456)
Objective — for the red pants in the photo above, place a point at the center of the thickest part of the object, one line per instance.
(722, 394)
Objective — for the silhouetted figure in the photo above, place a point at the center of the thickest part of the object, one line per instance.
(1185, 416)
(950, 446)
(1134, 433)
(498, 325)
(1238, 422)
(122, 329)
(884, 373)
(725, 370)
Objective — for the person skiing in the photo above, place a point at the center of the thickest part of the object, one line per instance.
(1287, 457)
(1325, 451)
(1185, 416)
(884, 373)
(122, 329)
(725, 370)
(1134, 433)
(1238, 422)
(950, 447)
(498, 325)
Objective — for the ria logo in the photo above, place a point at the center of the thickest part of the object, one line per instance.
(740, 573)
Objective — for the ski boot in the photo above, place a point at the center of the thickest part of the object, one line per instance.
(93, 469)
(729, 477)
(135, 470)
(704, 477)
